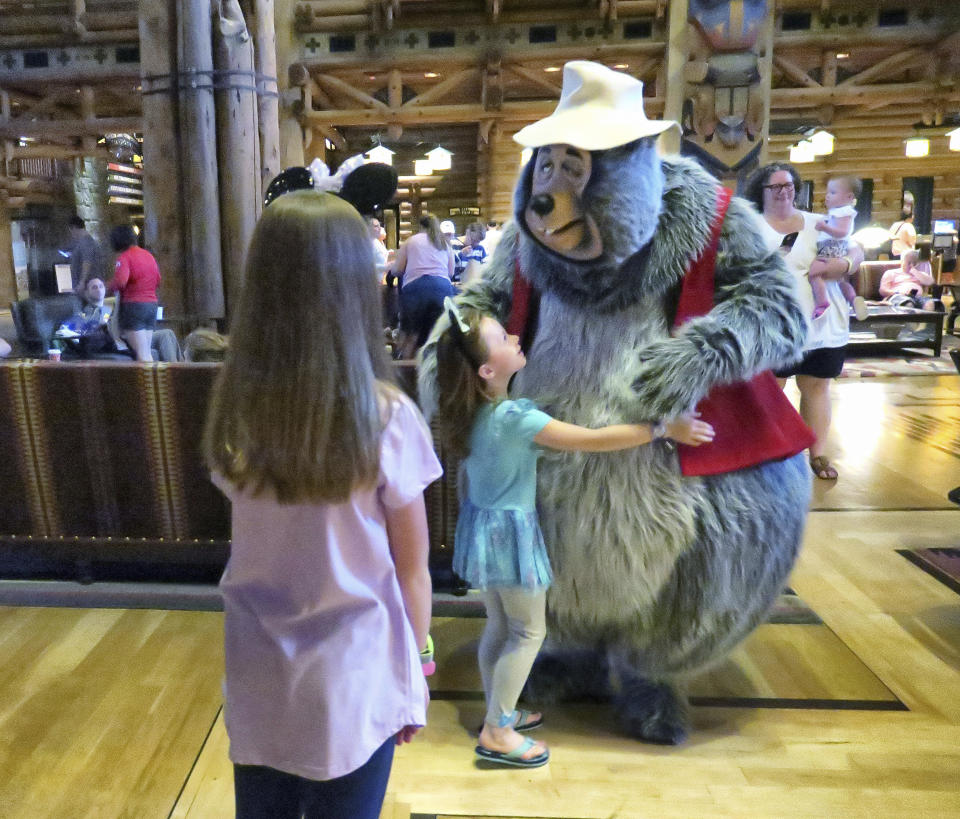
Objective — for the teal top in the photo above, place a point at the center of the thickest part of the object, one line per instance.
(502, 465)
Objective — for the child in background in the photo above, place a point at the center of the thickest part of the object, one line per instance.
(833, 241)
(326, 594)
(498, 545)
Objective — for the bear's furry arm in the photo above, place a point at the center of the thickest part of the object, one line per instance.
(491, 295)
(756, 324)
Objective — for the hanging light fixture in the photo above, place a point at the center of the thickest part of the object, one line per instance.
(380, 154)
(422, 167)
(440, 158)
(802, 152)
(822, 142)
(954, 139)
(917, 147)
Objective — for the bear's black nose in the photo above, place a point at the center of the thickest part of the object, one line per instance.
(541, 204)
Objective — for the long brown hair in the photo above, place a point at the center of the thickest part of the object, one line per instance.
(430, 225)
(296, 408)
(462, 392)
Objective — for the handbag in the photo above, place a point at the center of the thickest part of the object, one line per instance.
(753, 420)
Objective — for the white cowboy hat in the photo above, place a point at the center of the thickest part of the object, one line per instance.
(599, 108)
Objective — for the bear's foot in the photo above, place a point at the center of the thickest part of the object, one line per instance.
(653, 712)
(565, 675)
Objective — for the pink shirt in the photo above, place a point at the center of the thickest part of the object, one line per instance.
(322, 665)
(423, 259)
(136, 275)
(898, 280)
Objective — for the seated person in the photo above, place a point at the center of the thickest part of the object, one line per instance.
(204, 344)
(92, 325)
(903, 286)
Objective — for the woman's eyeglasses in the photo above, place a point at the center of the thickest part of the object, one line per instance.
(785, 186)
(789, 240)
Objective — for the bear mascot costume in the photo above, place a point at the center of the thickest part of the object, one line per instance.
(641, 291)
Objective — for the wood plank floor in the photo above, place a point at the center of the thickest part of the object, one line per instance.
(109, 713)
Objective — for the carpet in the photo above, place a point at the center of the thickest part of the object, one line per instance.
(943, 564)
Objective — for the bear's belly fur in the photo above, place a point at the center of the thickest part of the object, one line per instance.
(670, 572)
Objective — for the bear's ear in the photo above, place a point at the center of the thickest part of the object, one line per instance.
(370, 187)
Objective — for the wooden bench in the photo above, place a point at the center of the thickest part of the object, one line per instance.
(102, 465)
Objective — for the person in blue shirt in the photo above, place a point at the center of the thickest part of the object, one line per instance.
(498, 545)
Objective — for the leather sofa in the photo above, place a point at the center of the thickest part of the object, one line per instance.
(37, 318)
(102, 462)
(866, 281)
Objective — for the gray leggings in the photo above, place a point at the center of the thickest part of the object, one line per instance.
(516, 626)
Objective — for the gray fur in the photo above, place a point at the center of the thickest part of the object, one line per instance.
(661, 575)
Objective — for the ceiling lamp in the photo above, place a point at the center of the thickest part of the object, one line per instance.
(954, 139)
(802, 152)
(822, 142)
(422, 167)
(439, 158)
(380, 154)
(917, 147)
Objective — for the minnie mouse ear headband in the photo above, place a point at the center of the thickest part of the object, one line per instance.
(458, 331)
(365, 185)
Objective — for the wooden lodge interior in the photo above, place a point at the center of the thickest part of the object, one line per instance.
(175, 116)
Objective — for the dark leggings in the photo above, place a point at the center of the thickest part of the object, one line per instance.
(266, 793)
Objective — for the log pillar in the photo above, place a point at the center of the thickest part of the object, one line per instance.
(198, 160)
(163, 213)
(8, 274)
(237, 144)
(676, 59)
(268, 116)
(291, 134)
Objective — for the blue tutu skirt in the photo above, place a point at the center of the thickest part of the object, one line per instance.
(500, 547)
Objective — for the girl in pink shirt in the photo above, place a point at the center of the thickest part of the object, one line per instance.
(326, 593)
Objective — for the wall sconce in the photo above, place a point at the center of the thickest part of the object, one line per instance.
(822, 142)
(380, 154)
(917, 147)
(440, 158)
(954, 139)
(422, 167)
(802, 152)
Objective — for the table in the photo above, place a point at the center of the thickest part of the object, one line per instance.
(881, 314)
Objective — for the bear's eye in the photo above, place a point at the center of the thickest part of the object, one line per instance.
(546, 166)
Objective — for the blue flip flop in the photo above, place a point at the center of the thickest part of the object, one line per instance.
(514, 757)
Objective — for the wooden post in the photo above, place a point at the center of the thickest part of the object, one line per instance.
(291, 135)
(766, 82)
(676, 59)
(8, 275)
(198, 158)
(268, 116)
(237, 144)
(162, 182)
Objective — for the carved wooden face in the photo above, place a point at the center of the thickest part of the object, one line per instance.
(555, 213)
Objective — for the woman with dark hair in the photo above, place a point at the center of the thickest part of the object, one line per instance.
(135, 280)
(426, 262)
(773, 189)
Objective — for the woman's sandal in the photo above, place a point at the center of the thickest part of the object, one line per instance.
(515, 757)
(822, 468)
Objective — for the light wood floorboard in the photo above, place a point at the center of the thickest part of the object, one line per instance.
(108, 713)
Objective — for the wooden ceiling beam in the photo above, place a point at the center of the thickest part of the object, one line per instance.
(120, 36)
(795, 72)
(336, 84)
(444, 87)
(70, 127)
(863, 95)
(893, 64)
(536, 78)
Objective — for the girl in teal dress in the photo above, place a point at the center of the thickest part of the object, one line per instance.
(498, 546)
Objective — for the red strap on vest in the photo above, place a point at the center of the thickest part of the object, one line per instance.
(520, 306)
(753, 420)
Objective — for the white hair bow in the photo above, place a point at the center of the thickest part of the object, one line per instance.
(324, 181)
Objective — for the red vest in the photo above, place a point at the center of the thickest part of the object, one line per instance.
(753, 420)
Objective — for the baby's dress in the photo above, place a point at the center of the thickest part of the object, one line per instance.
(830, 247)
(498, 540)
